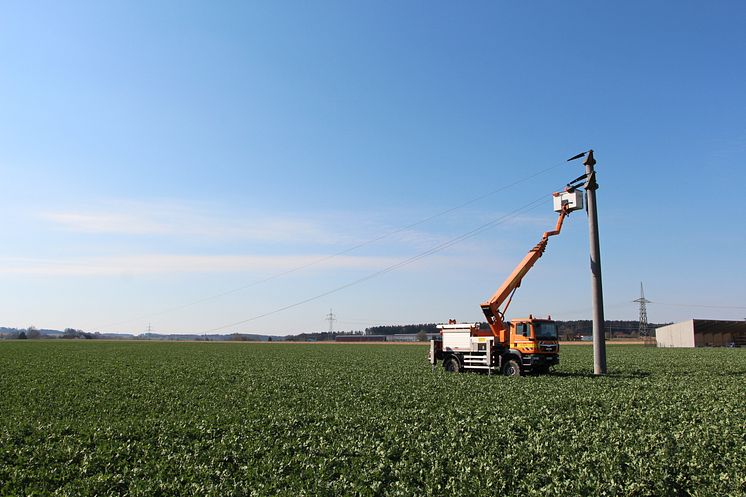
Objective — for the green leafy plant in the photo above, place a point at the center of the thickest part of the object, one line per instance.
(116, 418)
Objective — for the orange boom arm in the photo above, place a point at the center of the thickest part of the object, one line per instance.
(491, 307)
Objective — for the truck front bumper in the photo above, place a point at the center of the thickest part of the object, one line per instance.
(540, 360)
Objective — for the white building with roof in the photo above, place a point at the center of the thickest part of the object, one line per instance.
(702, 333)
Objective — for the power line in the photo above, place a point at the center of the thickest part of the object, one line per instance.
(393, 267)
(615, 305)
(341, 252)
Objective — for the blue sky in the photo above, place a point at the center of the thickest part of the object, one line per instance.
(157, 154)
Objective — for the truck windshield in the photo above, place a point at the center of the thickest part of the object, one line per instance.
(545, 331)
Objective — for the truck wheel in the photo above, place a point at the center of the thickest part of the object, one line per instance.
(511, 368)
(452, 365)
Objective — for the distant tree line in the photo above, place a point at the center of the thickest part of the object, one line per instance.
(408, 329)
(33, 333)
(573, 330)
(73, 333)
(567, 330)
(240, 337)
(23, 334)
(321, 336)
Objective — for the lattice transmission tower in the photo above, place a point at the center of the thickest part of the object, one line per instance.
(331, 318)
(644, 331)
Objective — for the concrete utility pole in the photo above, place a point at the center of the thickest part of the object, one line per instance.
(599, 337)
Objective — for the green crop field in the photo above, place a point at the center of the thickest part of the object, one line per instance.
(138, 418)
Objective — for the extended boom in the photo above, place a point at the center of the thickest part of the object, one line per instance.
(491, 308)
(516, 347)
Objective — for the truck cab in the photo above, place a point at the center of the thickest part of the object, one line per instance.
(536, 340)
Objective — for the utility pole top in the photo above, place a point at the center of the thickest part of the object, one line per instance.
(642, 298)
(589, 160)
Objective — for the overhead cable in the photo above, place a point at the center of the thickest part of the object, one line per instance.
(337, 254)
(393, 267)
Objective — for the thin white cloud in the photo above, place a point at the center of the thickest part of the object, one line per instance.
(164, 264)
(178, 220)
(104, 223)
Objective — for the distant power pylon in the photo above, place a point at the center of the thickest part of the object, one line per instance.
(331, 318)
(643, 329)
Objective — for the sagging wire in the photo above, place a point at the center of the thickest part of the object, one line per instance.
(438, 248)
(336, 254)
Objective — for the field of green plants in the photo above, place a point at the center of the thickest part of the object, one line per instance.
(138, 418)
